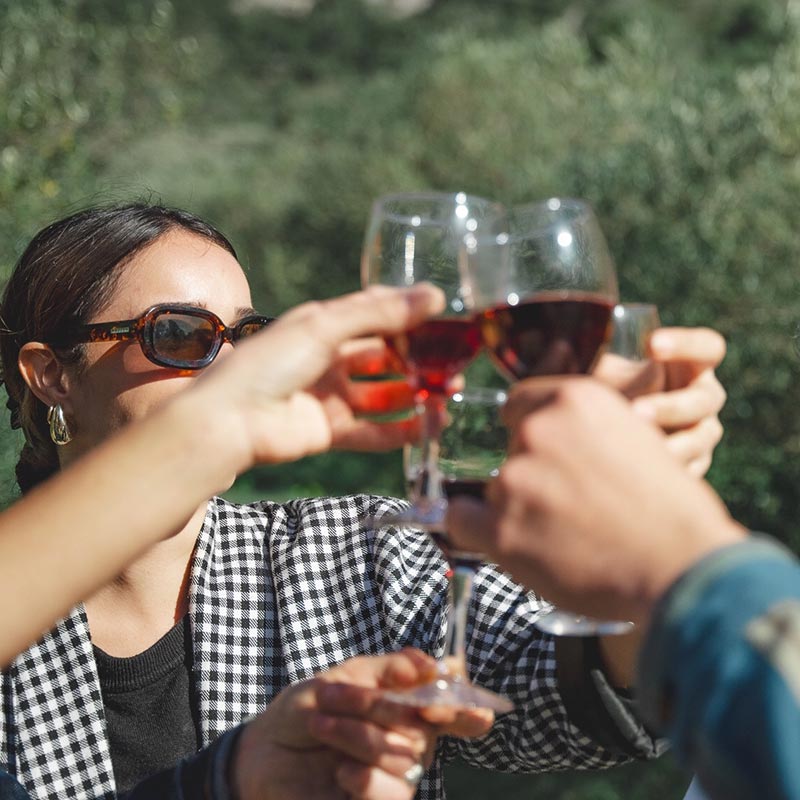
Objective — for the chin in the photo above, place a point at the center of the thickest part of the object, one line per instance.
(225, 485)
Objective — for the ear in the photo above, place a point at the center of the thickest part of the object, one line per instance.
(44, 373)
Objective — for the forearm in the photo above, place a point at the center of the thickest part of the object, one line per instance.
(76, 531)
(719, 672)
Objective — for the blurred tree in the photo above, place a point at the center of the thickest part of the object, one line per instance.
(677, 119)
(67, 71)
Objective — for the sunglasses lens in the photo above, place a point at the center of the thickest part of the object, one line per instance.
(183, 337)
(248, 327)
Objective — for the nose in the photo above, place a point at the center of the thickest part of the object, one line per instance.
(225, 350)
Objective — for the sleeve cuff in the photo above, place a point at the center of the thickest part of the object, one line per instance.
(204, 775)
(605, 714)
(687, 610)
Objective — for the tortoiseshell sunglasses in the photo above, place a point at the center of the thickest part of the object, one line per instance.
(171, 335)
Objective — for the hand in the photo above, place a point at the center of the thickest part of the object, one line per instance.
(590, 509)
(335, 737)
(340, 701)
(344, 399)
(284, 393)
(677, 391)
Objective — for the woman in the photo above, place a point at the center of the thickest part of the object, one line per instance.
(268, 593)
(154, 467)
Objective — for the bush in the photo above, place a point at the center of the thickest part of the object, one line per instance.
(677, 120)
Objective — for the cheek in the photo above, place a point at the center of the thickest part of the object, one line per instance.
(122, 385)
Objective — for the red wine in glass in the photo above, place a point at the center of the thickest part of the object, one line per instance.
(460, 487)
(552, 333)
(433, 353)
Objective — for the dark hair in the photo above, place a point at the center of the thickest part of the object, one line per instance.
(67, 273)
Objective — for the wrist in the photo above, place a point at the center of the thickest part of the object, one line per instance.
(248, 768)
(213, 436)
(687, 551)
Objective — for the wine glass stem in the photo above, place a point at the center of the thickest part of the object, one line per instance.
(460, 591)
(429, 486)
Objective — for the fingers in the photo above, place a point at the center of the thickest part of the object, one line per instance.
(462, 723)
(361, 434)
(359, 702)
(369, 356)
(631, 378)
(694, 446)
(680, 408)
(371, 744)
(702, 346)
(528, 396)
(699, 466)
(380, 397)
(404, 668)
(368, 783)
(379, 309)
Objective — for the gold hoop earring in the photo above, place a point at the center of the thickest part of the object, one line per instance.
(59, 430)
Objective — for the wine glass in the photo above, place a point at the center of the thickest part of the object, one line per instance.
(471, 449)
(546, 288)
(412, 238)
(634, 323)
(628, 358)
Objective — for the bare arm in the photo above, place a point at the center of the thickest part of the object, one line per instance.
(269, 401)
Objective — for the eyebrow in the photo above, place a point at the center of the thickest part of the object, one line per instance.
(245, 311)
(240, 312)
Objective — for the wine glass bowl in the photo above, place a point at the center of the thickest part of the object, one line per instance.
(411, 238)
(472, 448)
(626, 364)
(545, 286)
(633, 324)
(423, 237)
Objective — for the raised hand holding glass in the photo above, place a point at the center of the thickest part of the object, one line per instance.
(633, 323)
(545, 287)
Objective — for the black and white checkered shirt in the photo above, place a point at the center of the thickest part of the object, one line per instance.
(277, 593)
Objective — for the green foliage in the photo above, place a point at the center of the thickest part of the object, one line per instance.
(677, 120)
(65, 75)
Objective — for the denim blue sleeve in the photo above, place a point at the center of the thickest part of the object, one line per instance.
(719, 671)
(11, 789)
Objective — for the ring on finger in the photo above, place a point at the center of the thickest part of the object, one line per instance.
(413, 775)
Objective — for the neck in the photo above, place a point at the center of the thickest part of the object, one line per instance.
(143, 602)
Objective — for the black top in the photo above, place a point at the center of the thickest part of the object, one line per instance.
(149, 707)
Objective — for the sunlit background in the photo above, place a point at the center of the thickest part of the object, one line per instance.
(279, 121)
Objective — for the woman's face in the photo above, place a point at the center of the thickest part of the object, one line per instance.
(116, 383)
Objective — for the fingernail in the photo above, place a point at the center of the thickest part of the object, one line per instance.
(661, 343)
(424, 292)
(395, 739)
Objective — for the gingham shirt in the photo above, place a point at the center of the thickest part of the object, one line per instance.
(277, 593)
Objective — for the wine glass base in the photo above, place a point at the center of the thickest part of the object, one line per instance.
(451, 691)
(428, 516)
(564, 623)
